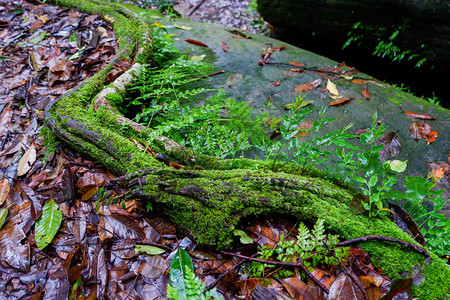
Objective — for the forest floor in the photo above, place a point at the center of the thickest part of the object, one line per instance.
(93, 253)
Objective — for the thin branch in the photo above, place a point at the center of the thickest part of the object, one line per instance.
(299, 264)
(412, 246)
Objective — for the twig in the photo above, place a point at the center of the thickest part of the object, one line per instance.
(195, 8)
(386, 239)
(279, 263)
(212, 74)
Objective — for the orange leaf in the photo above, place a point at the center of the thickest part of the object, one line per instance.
(419, 130)
(418, 116)
(196, 42)
(359, 81)
(431, 137)
(308, 86)
(365, 92)
(298, 70)
(296, 64)
(438, 174)
(340, 101)
(225, 47)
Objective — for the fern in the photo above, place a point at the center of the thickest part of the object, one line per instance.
(313, 247)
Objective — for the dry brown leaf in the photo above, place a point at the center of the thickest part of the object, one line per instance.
(365, 92)
(4, 190)
(418, 115)
(340, 101)
(308, 86)
(26, 161)
(275, 83)
(225, 47)
(299, 290)
(303, 128)
(293, 63)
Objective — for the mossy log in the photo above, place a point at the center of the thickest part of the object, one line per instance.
(208, 198)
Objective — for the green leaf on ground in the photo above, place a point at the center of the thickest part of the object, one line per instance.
(151, 250)
(180, 263)
(48, 224)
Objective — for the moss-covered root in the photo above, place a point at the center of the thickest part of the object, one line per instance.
(209, 204)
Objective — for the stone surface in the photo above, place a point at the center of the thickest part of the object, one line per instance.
(254, 89)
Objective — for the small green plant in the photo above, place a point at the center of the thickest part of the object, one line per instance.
(312, 247)
(384, 40)
(101, 195)
(184, 285)
(307, 152)
(424, 205)
(157, 90)
(221, 127)
(50, 143)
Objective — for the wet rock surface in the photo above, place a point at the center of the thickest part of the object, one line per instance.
(254, 88)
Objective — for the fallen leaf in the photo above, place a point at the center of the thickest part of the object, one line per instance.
(418, 115)
(344, 288)
(4, 190)
(419, 130)
(365, 92)
(293, 63)
(359, 81)
(26, 161)
(182, 27)
(303, 128)
(275, 83)
(225, 47)
(431, 137)
(195, 42)
(295, 70)
(438, 174)
(308, 86)
(392, 145)
(331, 88)
(235, 78)
(299, 290)
(340, 101)
(89, 193)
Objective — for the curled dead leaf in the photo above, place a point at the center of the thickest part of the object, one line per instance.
(340, 101)
(275, 83)
(308, 86)
(225, 47)
(431, 137)
(365, 92)
(418, 115)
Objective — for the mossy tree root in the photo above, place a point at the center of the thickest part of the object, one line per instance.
(209, 198)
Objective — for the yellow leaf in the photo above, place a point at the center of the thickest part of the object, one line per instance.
(331, 88)
(182, 27)
(26, 161)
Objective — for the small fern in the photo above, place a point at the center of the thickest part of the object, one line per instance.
(313, 247)
(195, 289)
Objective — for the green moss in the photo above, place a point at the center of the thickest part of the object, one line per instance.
(209, 199)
